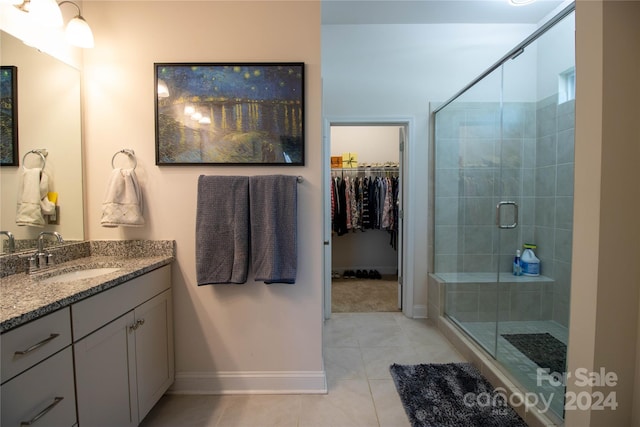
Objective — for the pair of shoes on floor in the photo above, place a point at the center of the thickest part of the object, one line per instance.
(373, 274)
(335, 275)
(362, 274)
(349, 274)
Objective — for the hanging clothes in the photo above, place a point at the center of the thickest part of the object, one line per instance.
(368, 202)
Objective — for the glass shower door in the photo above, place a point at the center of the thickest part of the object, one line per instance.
(504, 160)
(468, 163)
(537, 166)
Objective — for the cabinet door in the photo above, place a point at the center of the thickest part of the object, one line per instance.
(105, 380)
(154, 350)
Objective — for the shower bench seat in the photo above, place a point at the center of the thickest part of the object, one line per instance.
(473, 297)
(505, 277)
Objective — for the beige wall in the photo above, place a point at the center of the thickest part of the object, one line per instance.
(224, 333)
(604, 294)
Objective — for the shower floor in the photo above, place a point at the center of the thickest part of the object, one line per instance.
(523, 369)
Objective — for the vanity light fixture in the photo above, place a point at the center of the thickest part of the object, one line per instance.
(47, 13)
(78, 32)
(163, 89)
(196, 116)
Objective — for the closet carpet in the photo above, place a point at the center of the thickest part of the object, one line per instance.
(364, 295)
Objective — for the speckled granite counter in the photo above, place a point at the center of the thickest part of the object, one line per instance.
(24, 297)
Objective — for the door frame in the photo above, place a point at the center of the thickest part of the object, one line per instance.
(407, 196)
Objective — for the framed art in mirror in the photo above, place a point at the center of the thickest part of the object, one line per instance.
(229, 113)
(8, 115)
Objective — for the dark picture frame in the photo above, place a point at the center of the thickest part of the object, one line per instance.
(249, 113)
(8, 115)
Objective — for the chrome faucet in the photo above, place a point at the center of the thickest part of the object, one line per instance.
(45, 233)
(42, 259)
(12, 241)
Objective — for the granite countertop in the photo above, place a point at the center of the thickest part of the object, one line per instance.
(25, 297)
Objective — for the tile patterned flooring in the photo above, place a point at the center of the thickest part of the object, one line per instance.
(358, 350)
(521, 367)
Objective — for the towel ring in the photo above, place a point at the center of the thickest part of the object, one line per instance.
(129, 152)
(38, 152)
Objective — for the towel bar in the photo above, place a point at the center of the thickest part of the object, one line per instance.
(39, 151)
(129, 152)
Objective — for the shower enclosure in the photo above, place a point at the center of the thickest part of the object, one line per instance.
(504, 177)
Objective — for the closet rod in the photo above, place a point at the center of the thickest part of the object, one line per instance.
(360, 169)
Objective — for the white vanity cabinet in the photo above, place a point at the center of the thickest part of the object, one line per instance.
(37, 373)
(123, 349)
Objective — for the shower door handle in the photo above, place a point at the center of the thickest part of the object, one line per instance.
(515, 215)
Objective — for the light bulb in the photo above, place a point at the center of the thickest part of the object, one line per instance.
(78, 33)
(46, 12)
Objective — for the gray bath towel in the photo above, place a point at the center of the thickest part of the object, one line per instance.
(222, 229)
(273, 207)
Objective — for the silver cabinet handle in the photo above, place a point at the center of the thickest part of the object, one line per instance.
(515, 215)
(136, 325)
(42, 413)
(37, 345)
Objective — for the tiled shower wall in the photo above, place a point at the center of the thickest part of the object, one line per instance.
(553, 230)
(534, 169)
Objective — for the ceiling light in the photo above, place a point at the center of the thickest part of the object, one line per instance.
(520, 2)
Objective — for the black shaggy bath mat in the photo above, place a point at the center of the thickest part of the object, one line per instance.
(451, 395)
(543, 349)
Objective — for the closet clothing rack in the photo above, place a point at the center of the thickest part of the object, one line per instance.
(368, 168)
(367, 171)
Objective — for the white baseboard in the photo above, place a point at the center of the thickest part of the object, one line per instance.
(250, 382)
(419, 311)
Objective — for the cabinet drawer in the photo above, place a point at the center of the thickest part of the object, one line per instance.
(27, 345)
(90, 314)
(45, 392)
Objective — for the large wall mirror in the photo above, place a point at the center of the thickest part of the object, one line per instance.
(49, 117)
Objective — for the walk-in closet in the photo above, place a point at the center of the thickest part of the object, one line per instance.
(365, 217)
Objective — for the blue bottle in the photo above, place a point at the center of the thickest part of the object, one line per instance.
(517, 267)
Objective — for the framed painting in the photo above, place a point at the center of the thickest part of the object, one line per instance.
(229, 113)
(8, 115)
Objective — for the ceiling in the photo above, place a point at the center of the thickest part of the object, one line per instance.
(347, 12)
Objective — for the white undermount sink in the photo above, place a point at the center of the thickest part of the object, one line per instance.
(80, 274)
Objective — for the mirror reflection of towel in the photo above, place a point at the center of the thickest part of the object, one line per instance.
(123, 200)
(33, 186)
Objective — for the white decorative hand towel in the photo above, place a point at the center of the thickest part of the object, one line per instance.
(123, 200)
(33, 186)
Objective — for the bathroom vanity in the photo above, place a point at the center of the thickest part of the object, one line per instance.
(92, 337)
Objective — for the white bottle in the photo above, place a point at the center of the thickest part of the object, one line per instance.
(529, 262)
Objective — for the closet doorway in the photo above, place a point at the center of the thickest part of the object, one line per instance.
(365, 196)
